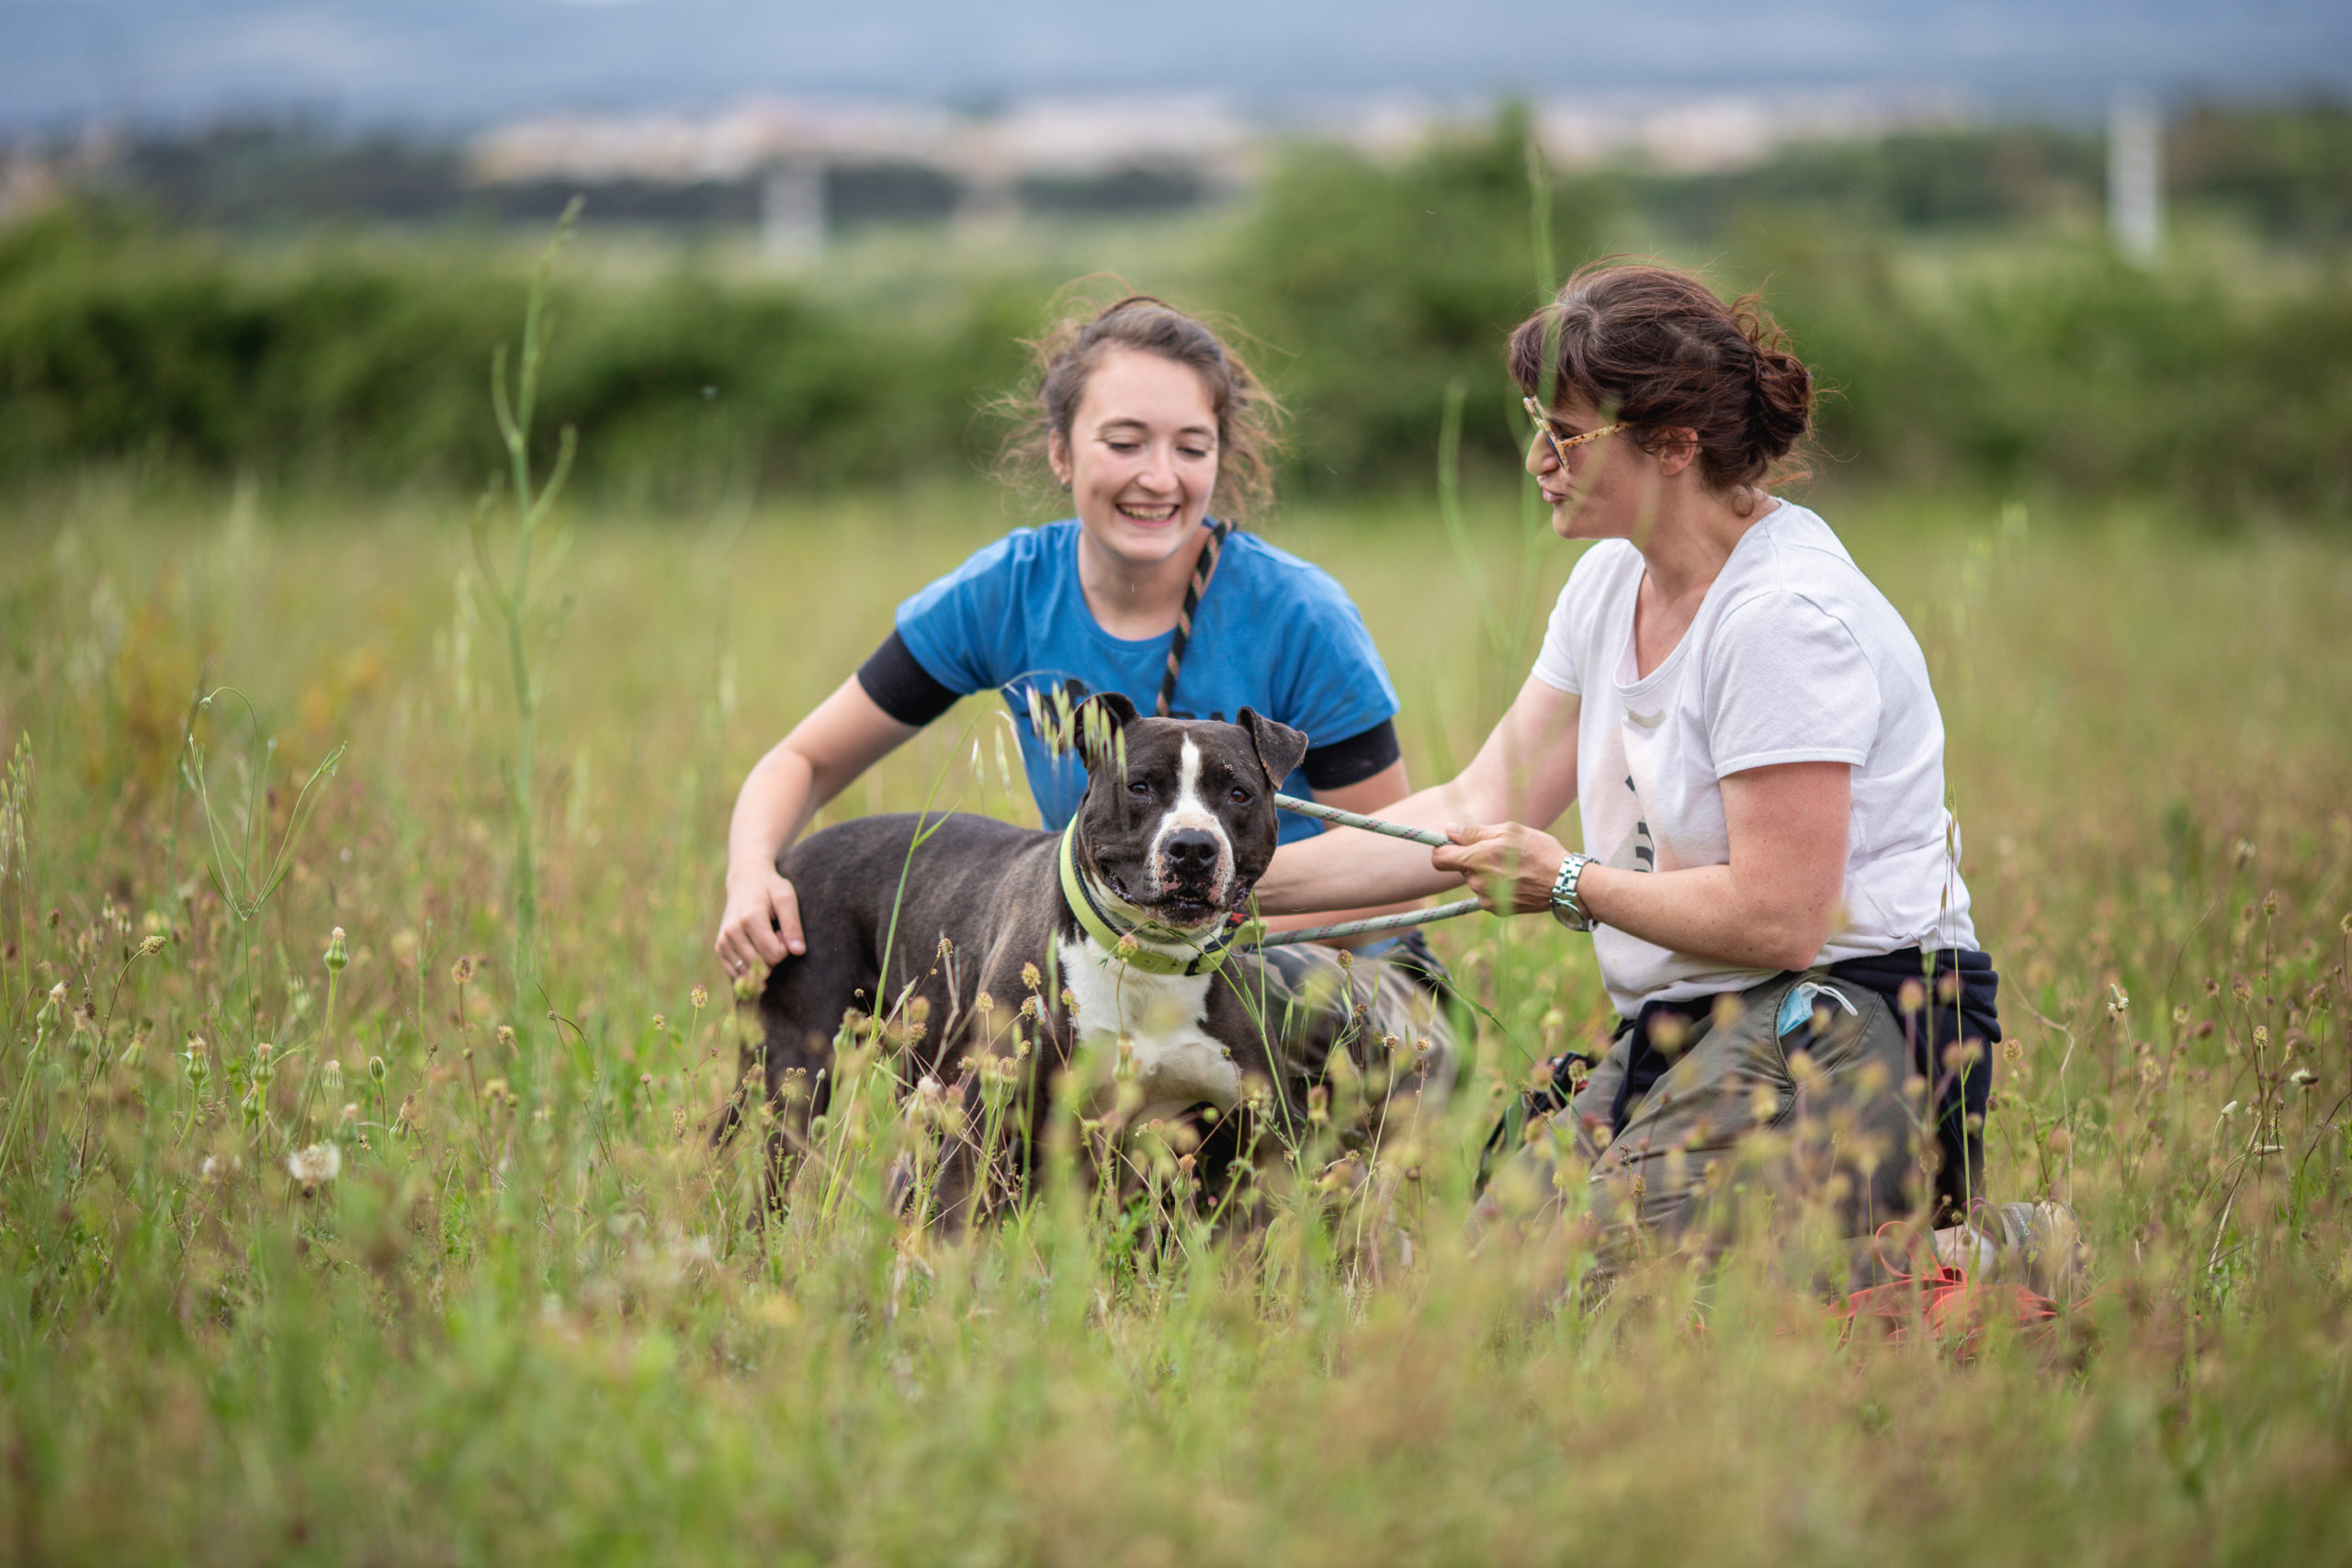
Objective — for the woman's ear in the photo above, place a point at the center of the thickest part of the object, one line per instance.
(1057, 457)
(1677, 448)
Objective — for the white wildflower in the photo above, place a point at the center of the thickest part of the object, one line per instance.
(320, 1162)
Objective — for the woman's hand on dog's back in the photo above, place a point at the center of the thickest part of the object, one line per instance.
(761, 924)
(845, 735)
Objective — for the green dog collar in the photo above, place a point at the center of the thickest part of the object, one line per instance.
(1127, 946)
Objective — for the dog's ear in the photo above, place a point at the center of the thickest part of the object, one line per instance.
(1101, 725)
(1280, 748)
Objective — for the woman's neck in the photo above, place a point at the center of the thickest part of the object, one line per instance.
(1135, 600)
(1694, 534)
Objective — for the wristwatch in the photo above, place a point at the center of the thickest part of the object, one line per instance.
(1566, 907)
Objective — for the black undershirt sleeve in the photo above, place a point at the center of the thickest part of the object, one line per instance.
(902, 687)
(1354, 760)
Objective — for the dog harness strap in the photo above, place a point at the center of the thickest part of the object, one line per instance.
(1203, 569)
(1126, 946)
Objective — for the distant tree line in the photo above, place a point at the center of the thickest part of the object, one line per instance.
(2224, 377)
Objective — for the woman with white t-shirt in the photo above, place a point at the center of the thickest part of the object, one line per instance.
(1769, 869)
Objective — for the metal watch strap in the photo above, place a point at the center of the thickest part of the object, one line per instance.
(1566, 907)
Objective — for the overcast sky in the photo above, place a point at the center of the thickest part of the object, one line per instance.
(454, 64)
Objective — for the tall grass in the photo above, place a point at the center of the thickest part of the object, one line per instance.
(541, 1327)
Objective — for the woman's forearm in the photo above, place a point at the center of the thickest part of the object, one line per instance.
(1347, 868)
(843, 736)
(1526, 771)
(775, 803)
(1706, 912)
(1771, 906)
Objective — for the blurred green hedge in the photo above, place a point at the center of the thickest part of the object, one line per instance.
(2224, 380)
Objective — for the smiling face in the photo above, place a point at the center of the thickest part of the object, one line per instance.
(1140, 457)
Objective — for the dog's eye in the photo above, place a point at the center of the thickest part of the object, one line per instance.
(1140, 789)
(1238, 795)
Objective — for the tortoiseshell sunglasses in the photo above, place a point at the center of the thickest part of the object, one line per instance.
(1560, 443)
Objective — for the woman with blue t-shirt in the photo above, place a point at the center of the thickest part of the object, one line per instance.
(1768, 871)
(1144, 416)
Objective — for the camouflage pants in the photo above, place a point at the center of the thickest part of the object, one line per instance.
(1778, 1094)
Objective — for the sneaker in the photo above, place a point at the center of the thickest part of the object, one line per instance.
(2038, 1245)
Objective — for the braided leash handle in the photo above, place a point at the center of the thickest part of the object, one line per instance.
(1203, 569)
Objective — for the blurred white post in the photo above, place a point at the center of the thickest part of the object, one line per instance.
(792, 213)
(2135, 177)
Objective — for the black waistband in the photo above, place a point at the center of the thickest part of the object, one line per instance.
(1971, 1015)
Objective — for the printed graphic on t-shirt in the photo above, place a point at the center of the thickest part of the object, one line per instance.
(1619, 819)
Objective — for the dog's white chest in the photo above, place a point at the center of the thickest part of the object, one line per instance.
(1162, 1019)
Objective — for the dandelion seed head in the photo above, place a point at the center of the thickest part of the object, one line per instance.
(317, 1162)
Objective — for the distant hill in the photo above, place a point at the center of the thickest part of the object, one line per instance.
(451, 63)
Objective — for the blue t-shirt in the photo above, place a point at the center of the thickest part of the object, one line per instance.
(1273, 633)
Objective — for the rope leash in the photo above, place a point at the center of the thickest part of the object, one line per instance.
(1398, 921)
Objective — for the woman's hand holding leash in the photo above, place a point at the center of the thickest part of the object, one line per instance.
(1509, 865)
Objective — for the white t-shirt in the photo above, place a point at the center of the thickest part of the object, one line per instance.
(1793, 657)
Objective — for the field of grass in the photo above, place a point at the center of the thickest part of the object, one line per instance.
(525, 1320)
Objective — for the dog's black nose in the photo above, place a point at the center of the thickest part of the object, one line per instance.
(1191, 849)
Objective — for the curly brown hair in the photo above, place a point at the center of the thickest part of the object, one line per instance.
(1658, 350)
(1249, 420)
